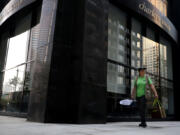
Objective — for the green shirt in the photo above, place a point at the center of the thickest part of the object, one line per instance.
(141, 85)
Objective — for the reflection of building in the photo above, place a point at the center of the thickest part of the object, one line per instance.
(77, 59)
(8, 88)
(164, 64)
(161, 5)
(151, 56)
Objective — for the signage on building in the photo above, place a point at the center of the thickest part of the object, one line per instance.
(146, 9)
(157, 17)
(12, 7)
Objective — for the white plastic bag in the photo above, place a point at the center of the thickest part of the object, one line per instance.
(126, 102)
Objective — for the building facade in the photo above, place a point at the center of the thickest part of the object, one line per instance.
(73, 61)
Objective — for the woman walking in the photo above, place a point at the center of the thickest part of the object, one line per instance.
(139, 92)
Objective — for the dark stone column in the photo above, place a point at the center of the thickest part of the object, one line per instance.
(175, 18)
(77, 86)
(62, 102)
(42, 41)
(70, 86)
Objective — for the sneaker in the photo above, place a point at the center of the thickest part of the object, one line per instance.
(144, 125)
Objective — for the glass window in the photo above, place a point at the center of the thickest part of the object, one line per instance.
(117, 31)
(151, 53)
(151, 61)
(125, 57)
(166, 72)
(166, 59)
(117, 51)
(13, 80)
(17, 51)
(136, 45)
(14, 69)
(116, 79)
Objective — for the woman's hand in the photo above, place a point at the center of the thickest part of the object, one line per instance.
(132, 97)
(154, 91)
(133, 93)
(156, 96)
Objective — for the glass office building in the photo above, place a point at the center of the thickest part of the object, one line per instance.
(73, 61)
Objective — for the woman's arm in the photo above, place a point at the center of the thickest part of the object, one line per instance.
(154, 90)
(133, 93)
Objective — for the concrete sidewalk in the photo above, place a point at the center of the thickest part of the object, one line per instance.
(19, 126)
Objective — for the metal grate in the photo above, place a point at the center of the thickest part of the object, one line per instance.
(3, 4)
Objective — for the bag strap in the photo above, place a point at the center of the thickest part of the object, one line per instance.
(159, 103)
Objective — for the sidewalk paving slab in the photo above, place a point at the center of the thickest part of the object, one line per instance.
(19, 126)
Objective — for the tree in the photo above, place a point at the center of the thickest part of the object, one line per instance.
(14, 81)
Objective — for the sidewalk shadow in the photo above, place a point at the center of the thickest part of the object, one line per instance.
(155, 127)
(151, 127)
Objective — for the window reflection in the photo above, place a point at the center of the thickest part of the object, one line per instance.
(117, 31)
(166, 59)
(161, 5)
(117, 82)
(13, 80)
(151, 61)
(166, 73)
(136, 44)
(17, 51)
(151, 55)
(14, 69)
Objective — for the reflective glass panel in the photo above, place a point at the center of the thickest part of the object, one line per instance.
(151, 53)
(15, 66)
(166, 59)
(117, 39)
(17, 51)
(13, 80)
(166, 72)
(117, 81)
(136, 44)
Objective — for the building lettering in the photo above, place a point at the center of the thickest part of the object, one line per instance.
(155, 15)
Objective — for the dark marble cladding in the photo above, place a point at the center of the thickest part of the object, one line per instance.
(60, 86)
(175, 17)
(93, 104)
(70, 83)
(93, 93)
(95, 47)
(62, 103)
(41, 69)
(77, 84)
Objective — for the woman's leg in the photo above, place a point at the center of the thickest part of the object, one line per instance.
(142, 109)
